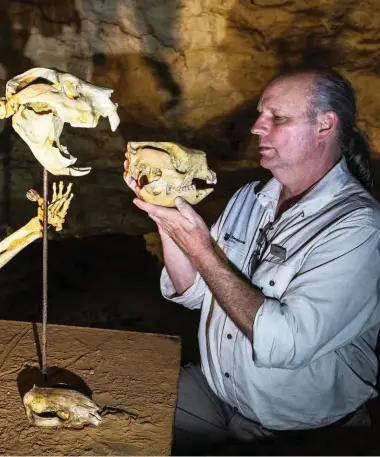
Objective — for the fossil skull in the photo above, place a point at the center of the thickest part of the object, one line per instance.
(40, 110)
(165, 171)
(60, 407)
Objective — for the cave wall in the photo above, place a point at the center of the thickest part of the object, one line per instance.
(181, 71)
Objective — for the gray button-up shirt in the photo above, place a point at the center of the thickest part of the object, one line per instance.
(312, 359)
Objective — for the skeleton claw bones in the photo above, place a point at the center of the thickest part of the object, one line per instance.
(57, 210)
(40, 110)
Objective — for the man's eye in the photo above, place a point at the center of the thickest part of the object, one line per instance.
(279, 119)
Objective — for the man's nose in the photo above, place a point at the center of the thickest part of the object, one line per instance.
(260, 127)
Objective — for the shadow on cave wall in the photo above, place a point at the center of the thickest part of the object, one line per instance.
(157, 81)
(155, 58)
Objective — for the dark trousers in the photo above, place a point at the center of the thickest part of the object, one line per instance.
(205, 425)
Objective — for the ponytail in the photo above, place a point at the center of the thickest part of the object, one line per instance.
(356, 150)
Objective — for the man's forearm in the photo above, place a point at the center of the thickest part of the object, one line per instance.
(183, 231)
(237, 298)
(181, 271)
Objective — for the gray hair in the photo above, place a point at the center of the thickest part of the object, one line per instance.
(332, 92)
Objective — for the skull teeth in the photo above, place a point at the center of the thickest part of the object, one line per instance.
(149, 170)
(180, 189)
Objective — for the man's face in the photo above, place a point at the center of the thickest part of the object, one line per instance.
(288, 138)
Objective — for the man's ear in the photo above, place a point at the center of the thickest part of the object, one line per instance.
(327, 124)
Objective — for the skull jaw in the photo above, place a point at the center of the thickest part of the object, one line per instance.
(192, 196)
(57, 422)
(39, 421)
(40, 132)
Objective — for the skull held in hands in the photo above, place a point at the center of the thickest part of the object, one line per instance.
(164, 171)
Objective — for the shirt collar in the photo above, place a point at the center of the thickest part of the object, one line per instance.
(268, 197)
(316, 198)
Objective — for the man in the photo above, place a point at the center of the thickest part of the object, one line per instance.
(289, 325)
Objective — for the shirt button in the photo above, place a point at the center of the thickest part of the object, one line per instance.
(227, 375)
(271, 282)
(229, 336)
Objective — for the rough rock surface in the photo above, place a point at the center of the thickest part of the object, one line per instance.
(182, 71)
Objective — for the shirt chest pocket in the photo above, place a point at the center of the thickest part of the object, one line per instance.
(273, 278)
(235, 251)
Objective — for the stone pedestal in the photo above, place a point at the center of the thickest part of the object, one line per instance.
(133, 372)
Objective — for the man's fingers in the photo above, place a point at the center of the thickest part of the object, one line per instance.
(130, 180)
(163, 231)
(147, 207)
(184, 208)
(131, 183)
(154, 218)
(159, 211)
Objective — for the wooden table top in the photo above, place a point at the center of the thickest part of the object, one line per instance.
(136, 372)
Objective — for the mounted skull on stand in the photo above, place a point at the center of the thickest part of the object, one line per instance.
(40, 101)
(40, 110)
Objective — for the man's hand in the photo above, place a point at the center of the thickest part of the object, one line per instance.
(183, 225)
(131, 181)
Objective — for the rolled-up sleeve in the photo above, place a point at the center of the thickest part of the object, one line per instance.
(333, 298)
(192, 297)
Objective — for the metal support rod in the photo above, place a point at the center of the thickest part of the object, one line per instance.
(44, 270)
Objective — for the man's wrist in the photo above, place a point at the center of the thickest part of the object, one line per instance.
(206, 260)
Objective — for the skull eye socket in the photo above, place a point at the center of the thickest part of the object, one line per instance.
(142, 181)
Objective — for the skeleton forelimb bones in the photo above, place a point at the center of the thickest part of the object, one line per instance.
(40, 111)
(57, 210)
